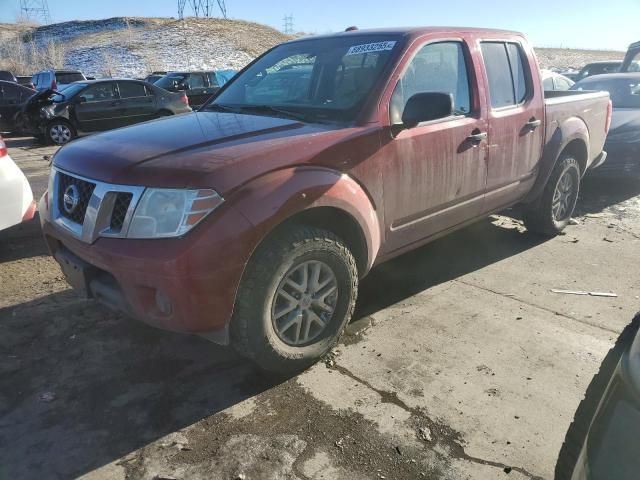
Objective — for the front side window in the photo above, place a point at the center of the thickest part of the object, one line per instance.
(196, 80)
(99, 92)
(324, 79)
(437, 67)
(213, 81)
(508, 82)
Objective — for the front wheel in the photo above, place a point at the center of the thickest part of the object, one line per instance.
(551, 213)
(60, 132)
(295, 298)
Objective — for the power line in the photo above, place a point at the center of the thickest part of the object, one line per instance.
(288, 24)
(202, 8)
(36, 10)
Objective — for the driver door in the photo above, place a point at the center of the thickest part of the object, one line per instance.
(97, 107)
(435, 173)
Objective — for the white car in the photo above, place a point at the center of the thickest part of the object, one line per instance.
(554, 81)
(16, 198)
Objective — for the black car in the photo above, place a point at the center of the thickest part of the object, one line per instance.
(153, 77)
(92, 106)
(598, 68)
(602, 441)
(199, 86)
(623, 142)
(12, 97)
(25, 82)
(7, 76)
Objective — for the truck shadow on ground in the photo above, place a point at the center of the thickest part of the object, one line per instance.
(597, 194)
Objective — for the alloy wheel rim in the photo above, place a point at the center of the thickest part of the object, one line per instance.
(563, 197)
(304, 303)
(60, 133)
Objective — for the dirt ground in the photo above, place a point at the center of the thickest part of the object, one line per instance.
(460, 363)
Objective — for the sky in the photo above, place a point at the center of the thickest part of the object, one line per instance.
(604, 24)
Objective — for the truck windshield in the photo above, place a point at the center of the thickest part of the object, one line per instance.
(318, 80)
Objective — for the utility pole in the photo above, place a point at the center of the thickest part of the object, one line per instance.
(35, 10)
(288, 24)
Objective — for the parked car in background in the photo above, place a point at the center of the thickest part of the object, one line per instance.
(631, 61)
(154, 77)
(97, 105)
(199, 86)
(7, 76)
(570, 74)
(251, 221)
(12, 97)
(623, 141)
(16, 199)
(55, 79)
(26, 81)
(598, 68)
(555, 81)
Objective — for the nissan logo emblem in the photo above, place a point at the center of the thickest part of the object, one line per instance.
(70, 199)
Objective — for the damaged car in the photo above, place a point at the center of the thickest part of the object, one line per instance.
(94, 106)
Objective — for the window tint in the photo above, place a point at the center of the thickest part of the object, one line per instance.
(213, 81)
(65, 78)
(438, 67)
(196, 80)
(547, 84)
(131, 89)
(504, 64)
(517, 72)
(99, 92)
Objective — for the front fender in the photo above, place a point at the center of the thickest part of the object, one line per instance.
(273, 198)
(562, 135)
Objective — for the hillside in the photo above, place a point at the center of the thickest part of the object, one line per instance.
(132, 47)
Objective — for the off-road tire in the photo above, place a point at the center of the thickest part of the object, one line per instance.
(538, 217)
(252, 331)
(50, 138)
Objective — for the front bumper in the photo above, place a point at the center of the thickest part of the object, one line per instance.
(183, 284)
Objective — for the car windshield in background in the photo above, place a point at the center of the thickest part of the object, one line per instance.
(68, 92)
(624, 92)
(326, 79)
(65, 78)
(171, 80)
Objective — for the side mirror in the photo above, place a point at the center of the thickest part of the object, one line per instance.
(423, 107)
(82, 99)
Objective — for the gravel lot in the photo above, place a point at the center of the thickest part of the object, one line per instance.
(460, 363)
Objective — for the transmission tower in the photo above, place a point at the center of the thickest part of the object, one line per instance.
(35, 10)
(202, 8)
(288, 24)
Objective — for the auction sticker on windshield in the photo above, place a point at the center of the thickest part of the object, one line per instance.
(370, 47)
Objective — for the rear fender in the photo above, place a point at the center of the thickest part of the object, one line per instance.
(270, 200)
(571, 129)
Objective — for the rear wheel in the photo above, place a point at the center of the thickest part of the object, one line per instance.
(551, 213)
(60, 132)
(296, 296)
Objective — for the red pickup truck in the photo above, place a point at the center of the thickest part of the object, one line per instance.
(251, 221)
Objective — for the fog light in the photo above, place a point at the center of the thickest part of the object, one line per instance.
(163, 302)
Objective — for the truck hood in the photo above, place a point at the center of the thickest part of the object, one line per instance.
(205, 149)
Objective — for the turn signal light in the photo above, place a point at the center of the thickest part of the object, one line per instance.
(3, 148)
(184, 99)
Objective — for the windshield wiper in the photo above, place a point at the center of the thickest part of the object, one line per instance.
(277, 110)
(222, 108)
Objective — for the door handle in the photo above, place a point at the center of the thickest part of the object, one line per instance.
(477, 136)
(533, 123)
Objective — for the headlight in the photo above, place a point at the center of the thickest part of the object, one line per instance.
(163, 213)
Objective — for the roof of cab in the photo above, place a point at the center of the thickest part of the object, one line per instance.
(412, 32)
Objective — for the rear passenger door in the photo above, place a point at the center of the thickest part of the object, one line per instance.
(10, 99)
(137, 104)
(516, 111)
(197, 92)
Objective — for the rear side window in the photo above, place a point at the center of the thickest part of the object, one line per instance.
(213, 81)
(547, 84)
(437, 67)
(131, 90)
(65, 78)
(504, 64)
(99, 92)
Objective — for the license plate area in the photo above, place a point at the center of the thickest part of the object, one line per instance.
(76, 271)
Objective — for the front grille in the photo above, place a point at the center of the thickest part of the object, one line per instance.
(120, 207)
(84, 189)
